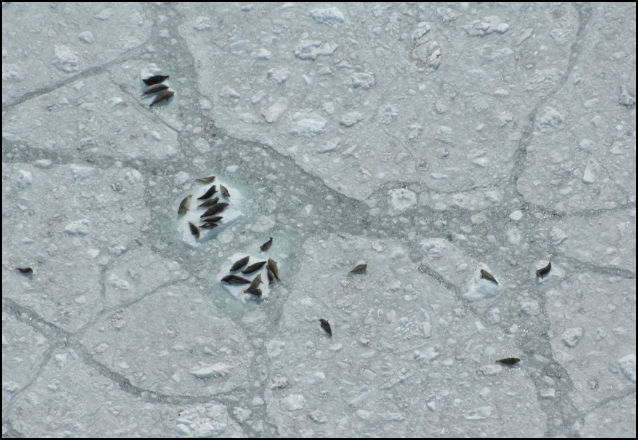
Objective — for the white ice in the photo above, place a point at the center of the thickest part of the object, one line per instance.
(426, 140)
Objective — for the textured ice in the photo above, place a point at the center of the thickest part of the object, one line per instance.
(428, 141)
(385, 351)
(169, 342)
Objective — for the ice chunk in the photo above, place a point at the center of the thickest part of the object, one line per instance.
(219, 369)
(628, 366)
(331, 15)
(293, 402)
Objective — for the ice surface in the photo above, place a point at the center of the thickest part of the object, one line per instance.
(428, 141)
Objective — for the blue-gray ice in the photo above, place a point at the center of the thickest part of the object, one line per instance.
(428, 141)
